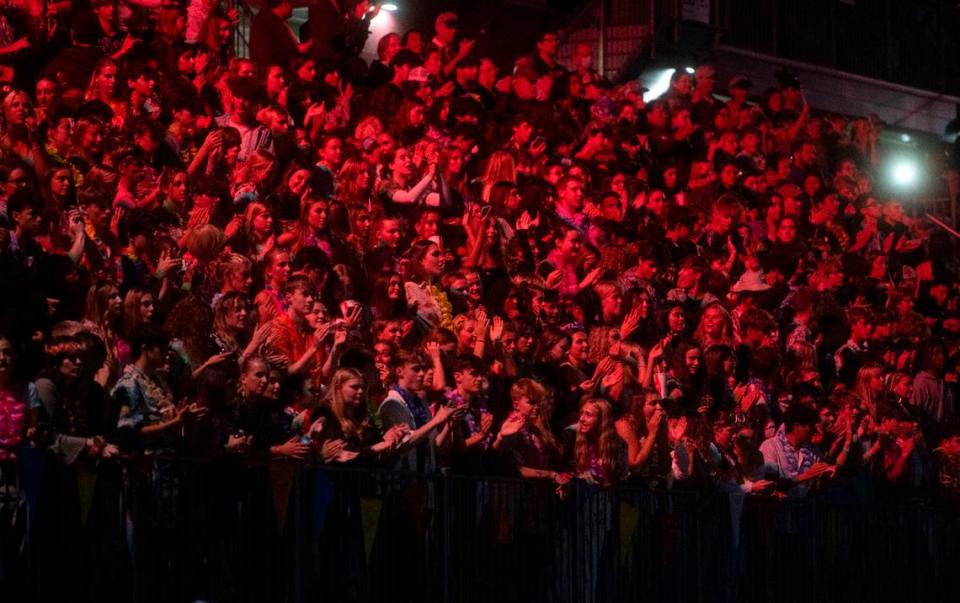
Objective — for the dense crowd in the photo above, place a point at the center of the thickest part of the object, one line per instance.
(437, 262)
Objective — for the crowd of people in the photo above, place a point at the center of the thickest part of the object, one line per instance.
(436, 262)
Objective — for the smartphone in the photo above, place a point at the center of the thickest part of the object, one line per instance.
(485, 211)
(538, 141)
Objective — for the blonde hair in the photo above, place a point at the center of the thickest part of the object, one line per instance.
(206, 242)
(605, 444)
(352, 424)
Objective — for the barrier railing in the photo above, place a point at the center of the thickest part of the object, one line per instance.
(180, 529)
(911, 43)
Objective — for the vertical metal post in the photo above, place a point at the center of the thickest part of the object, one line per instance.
(602, 42)
(775, 28)
(652, 7)
(888, 50)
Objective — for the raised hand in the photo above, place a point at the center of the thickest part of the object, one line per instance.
(512, 425)
(496, 331)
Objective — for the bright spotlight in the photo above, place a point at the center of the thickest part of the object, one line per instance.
(905, 137)
(389, 7)
(905, 172)
(689, 70)
(659, 85)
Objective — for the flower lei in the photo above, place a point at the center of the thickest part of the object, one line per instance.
(446, 309)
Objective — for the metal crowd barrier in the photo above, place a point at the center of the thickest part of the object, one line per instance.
(199, 529)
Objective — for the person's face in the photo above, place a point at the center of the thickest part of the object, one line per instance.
(280, 268)
(428, 225)
(301, 301)
(787, 231)
(728, 176)
(676, 320)
(560, 350)
(389, 232)
(433, 261)
(236, 317)
(572, 196)
(26, 220)
(6, 359)
(728, 143)
(548, 45)
(611, 209)
(713, 321)
(107, 80)
(411, 376)
(571, 244)
(445, 33)
(146, 307)
(392, 333)
(803, 432)
(879, 267)
(612, 304)
(524, 406)
(487, 74)
(255, 378)
(720, 222)
(414, 42)
(580, 346)
(657, 116)
(522, 132)
(687, 278)
(276, 80)
(72, 365)
(904, 387)
(382, 354)
(589, 419)
(240, 280)
(59, 135)
(46, 90)
(92, 139)
(104, 12)
(401, 163)
(95, 216)
(177, 190)
(143, 85)
(723, 436)
(468, 381)
(682, 85)
(17, 180)
(331, 152)
(317, 215)
(308, 71)
(467, 336)
(473, 287)
(263, 223)
(692, 359)
(862, 329)
(352, 392)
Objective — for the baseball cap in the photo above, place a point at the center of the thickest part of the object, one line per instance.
(418, 74)
(739, 81)
(450, 19)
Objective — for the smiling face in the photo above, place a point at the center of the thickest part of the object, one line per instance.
(580, 347)
(589, 419)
